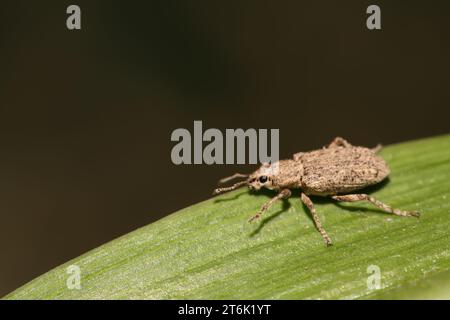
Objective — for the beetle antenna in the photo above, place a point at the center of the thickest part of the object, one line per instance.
(226, 189)
(234, 176)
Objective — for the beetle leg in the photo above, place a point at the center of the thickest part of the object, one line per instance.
(284, 194)
(297, 156)
(377, 148)
(377, 203)
(339, 142)
(307, 201)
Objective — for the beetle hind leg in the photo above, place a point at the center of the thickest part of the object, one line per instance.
(377, 148)
(377, 203)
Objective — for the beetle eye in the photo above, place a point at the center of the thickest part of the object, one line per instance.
(263, 179)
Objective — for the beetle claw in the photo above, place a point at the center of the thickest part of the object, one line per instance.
(255, 217)
(415, 214)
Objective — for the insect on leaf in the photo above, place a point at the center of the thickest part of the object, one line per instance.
(209, 250)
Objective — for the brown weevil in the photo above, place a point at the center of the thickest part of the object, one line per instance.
(335, 171)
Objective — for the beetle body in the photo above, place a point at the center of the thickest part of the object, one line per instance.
(341, 170)
(327, 171)
(335, 171)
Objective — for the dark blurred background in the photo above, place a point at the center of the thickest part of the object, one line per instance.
(86, 116)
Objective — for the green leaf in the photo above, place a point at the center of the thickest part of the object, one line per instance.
(209, 250)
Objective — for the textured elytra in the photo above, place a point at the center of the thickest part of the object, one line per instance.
(338, 168)
(341, 170)
(335, 170)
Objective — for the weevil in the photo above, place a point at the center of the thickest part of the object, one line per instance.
(337, 171)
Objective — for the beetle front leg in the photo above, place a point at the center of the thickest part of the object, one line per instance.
(297, 156)
(307, 201)
(284, 194)
(339, 142)
(377, 203)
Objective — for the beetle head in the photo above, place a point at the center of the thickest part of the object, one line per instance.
(261, 178)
